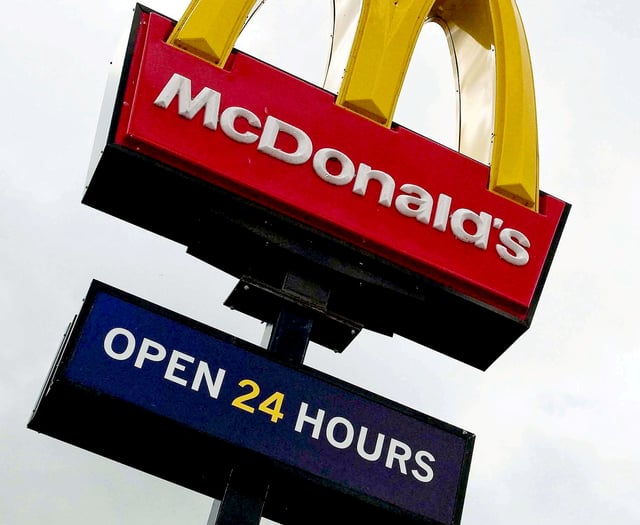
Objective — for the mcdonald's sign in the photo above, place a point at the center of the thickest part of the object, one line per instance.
(260, 173)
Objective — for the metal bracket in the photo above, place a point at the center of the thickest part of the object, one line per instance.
(298, 294)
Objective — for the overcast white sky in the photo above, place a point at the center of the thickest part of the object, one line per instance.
(555, 417)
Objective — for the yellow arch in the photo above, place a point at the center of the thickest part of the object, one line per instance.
(490, 55)
(491, 60)
(209, 28)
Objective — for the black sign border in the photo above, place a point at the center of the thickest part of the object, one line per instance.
(130, 435)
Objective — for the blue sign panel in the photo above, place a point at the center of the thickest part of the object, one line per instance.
(232, 392)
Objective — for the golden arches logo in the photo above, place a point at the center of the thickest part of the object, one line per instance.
(489, 52)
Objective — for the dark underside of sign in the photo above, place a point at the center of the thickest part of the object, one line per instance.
(262, 248)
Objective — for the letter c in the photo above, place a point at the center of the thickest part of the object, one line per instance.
(228, 120)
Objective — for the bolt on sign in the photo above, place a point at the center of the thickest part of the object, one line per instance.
(162, 393)
(260, 173)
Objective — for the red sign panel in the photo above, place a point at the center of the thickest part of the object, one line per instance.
(438, 243)
(270, 137)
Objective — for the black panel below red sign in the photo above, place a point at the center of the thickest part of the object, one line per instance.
(245, 239)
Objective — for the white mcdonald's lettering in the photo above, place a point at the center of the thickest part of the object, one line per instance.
(490, 54)
(411, 200)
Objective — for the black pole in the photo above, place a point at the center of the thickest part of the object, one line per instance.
(243, 499)
(290, 335)
(246, 492)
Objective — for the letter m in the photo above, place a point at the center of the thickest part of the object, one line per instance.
(189, 107)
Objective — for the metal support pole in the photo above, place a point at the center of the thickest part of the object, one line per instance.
(289, 337)
(243, 499)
